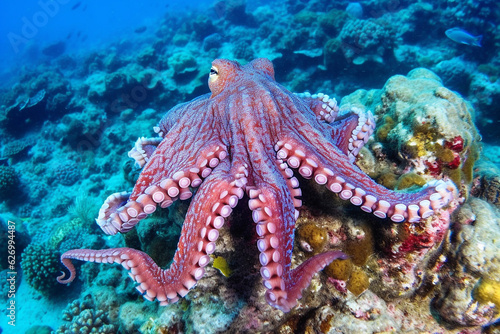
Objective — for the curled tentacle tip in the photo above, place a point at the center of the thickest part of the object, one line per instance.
(61, 279)
(343, 256)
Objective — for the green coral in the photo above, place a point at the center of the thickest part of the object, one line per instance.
(388, 180)
(40, 267)
(305, 17)
(384, 129)
(333, 21)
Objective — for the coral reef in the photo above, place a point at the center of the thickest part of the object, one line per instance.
(311, 238)
(428, 126)
(66, 118)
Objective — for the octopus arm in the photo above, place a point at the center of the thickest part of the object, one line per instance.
(272, 202)
(212, 203)
(324, 107)
(351, 132)
(183, 159)
(317, 157)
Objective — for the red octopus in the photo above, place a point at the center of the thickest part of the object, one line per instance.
(247, 136)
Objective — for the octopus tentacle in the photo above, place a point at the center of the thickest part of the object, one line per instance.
(351, 132)
(113, 218)
(352, 184)
(292, 184)
(271, 211)
(107, 218)
(322, 105)
(220, 193)
(143, 150)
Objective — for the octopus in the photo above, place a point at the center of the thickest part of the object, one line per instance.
(247, 139)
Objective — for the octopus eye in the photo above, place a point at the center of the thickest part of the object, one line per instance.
(213, 71)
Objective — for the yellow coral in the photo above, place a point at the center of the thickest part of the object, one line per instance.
(313, 235)
(358, 283)
(410, 179)
(339, 269)
(423, 141)
(488, 291)
(221, 264)
(388, 180)
(385, 128)
(446, 155)
(468, 164)
(360, 249)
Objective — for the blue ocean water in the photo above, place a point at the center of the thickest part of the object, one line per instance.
(80, 81)
(29, 26)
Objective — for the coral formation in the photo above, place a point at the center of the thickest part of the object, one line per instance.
(9, 181)
(409, 180)
(339, 269)
(311, 237)
(40, 268)
(468, 297)
(82, 317)
(486, 183)
(426, 124)
(366, 40)
(358, 282)
(488, 291)
(67, 173)
(16, 147)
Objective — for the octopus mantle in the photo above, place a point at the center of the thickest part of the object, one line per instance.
(248, 136)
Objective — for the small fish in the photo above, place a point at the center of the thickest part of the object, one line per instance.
(75, 6)
(461, 36)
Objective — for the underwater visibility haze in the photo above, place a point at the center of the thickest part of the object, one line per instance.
(250, 166)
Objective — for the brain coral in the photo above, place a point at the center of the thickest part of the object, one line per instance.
(40, 267)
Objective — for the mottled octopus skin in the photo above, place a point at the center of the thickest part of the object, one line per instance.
(247, 136)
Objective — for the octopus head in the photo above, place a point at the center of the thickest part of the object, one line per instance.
(222, 74)
(226, 73)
